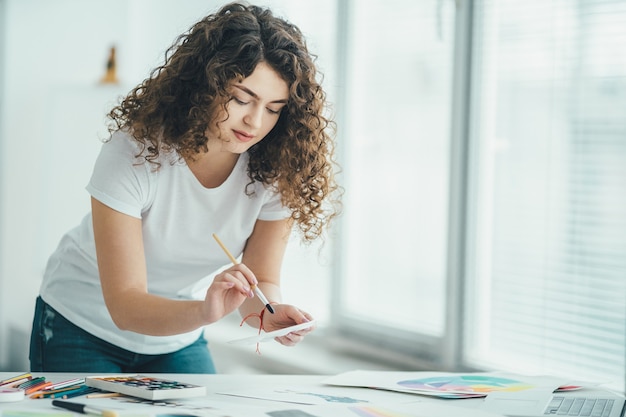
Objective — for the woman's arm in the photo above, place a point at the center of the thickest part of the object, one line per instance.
(123, 276)
(263, 255)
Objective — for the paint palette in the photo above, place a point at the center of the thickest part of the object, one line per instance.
(146, 387)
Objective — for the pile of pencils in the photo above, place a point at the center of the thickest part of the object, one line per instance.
(39, 387)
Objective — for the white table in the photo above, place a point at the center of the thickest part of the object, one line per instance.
(233, 395)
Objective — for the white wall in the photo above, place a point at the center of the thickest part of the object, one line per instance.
(52, 118)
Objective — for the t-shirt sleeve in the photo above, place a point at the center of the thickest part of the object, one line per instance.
(118, 180)
(273, 209)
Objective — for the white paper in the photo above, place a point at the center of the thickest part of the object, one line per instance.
(267, 336)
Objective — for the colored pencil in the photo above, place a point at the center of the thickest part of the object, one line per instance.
(37, 387)
(17, 379)
(55, 392)
(68, 383)
(104, 395)
(81, 391)
(35, 381)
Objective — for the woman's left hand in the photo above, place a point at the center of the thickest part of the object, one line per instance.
(286, 315)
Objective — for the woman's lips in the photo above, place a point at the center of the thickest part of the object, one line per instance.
(243, 136)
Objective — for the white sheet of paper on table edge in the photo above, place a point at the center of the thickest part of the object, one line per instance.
(264, 337)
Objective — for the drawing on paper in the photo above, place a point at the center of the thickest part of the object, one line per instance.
(465, 383)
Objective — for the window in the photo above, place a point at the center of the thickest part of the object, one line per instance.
(395, 133)
(528, 142)
(547, 276)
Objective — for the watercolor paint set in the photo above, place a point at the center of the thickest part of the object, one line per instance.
(146, 387)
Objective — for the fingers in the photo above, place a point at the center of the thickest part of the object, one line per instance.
(298, 316)
(293, 338)
(290, 315)
(287, 315)
(240, 277)
(290, 339)
(307, 316)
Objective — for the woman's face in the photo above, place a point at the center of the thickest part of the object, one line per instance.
(254, 109)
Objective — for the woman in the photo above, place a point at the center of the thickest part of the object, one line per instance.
(227, 137)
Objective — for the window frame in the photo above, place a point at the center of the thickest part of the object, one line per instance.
(386, 345)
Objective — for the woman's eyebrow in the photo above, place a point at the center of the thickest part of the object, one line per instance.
(253, 94)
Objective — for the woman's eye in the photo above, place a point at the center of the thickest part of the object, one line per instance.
(272, 111)
(239, 101)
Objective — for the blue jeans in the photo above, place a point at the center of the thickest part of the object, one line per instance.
(57, 345)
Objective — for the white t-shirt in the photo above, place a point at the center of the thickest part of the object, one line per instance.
(178, 216)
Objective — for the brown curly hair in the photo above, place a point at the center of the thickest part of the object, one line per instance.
(174, 107)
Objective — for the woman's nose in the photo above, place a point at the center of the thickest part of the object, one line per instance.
(254, 117)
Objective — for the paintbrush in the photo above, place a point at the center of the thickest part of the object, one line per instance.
(255, 288)
(84, 408)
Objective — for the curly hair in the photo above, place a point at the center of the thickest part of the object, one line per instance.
(182, 98)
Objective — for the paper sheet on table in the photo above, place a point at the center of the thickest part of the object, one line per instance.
(418, 409)
(322, 395)
(445, 384)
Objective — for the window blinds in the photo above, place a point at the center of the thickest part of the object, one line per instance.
(546, 283)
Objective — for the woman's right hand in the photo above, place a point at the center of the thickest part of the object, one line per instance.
(229, 289)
